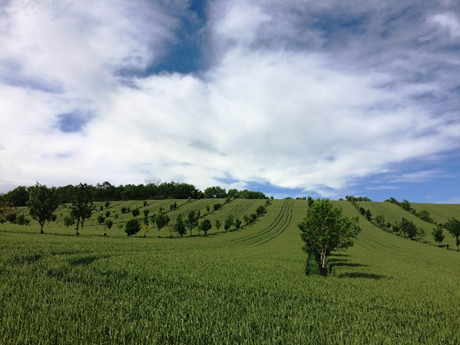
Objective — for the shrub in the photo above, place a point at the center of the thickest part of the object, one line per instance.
(132, 227)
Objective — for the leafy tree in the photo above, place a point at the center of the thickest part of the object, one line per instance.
(124, 210)
(310, 201)
(408, 228)
(22, 220)
(208, 208)
(69, 220)
(238, 223)
(369, 215)
(6, 207)
(107, 204)
(380, 221)
(108, 223)
(215, 192)
(100, 219)
(246, 219)
(405, 204)
(326, 229)
(218, 224)
(217, 206)
(253, 217)
(132, 227)
(145, 228)
(206, 226)
(82, 205)
(12, 217)
(192, 220)
(162, 220)
(135, 212)
(453, 227)
(18, 197)
(43, 201)
(438, 234)
(179, 227)
(425, 216)
(107, 214)
(260, 211)
(229, 222)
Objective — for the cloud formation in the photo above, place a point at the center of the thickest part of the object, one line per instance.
(303, 97)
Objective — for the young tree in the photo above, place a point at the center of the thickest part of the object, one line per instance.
(43, 201)
(453, 227)
(438, 234)
(132, 227)
(135, 212)
(82, 205)
(218, 224)
(260, 211)
(408, 228)
(326, 229)
(179, 227)
(237, 223)
(108, 223)
(162, 220)
(206, 226)
(6, 208)
(192, 220)
(69, 220)
(246, 219)
(100, 219)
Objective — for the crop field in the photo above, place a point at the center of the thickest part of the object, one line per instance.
(244, 286)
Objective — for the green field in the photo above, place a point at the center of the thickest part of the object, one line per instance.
(244, 286)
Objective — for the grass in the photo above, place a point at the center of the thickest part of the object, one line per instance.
(245, 286)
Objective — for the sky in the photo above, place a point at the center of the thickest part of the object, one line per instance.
(288, 97)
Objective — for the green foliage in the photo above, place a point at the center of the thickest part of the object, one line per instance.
(135, 212)
(82, 205)
(132, 227)
(453, 227)
(237, 223)
(69, 220)
(438, 234)
(260, 210)
(310, 201)
(408, 228)
(326, 229)
(162, 220)
(179, 226)
(192, 220)
(43, 201)
(107, 214)
(107, 204)
(218, 224)
(205, 225)
(217, 206)
(100, 219)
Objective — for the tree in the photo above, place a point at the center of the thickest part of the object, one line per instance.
(192, 220)
(310, 201)
(438, 234)
(453, 227)
(43, 201)
(132, 227)
(217, 206)
(326, 229)
(82, 205)
(229, 221)
(108, 223)
(206, 226)
(260, 211)
(237, 223)
(135, 212)
(179, 227)
(246, 219)
(69, 220)
(162, 220)
(408, 228)
(218, 224)
(100, 219)
(6, 208)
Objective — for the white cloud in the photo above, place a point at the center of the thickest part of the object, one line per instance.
(294, 118)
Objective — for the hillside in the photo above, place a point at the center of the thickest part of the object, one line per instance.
(240, 286)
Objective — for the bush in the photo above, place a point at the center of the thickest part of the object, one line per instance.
(132, 227)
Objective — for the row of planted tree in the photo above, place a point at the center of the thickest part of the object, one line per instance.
(406, 227)
(44, 201)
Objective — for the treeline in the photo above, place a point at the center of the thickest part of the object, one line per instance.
(107, 192)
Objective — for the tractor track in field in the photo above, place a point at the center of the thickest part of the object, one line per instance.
(276, 228)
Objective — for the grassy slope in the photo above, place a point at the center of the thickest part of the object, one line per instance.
(235, 287)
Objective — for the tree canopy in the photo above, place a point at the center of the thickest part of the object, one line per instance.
(326, 229)
(43, 201)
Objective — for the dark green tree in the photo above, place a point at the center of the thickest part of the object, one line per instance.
(108, 223)
(326, 229)
(135, 212)
(408, 228)
(205, 225)
(100, 219)
(69, 220)
(453, 227)
(218, 224)
(162, 220)
(179, 226)
(82, 205)
(132, 227)
(192, 220)
(237, 223)
(438, 233)
(43, 201)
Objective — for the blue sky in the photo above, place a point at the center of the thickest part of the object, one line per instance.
(292, 98)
